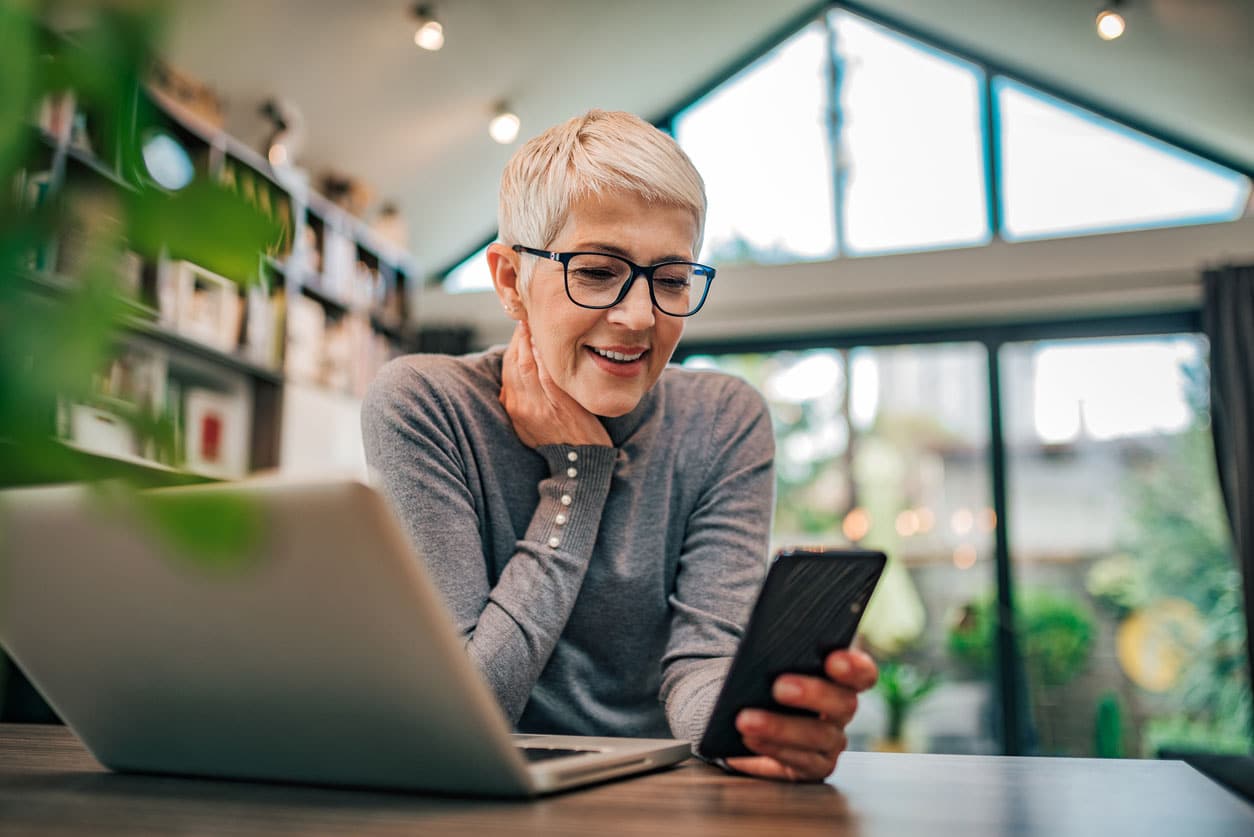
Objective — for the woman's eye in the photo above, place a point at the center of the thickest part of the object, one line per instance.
(594, 275)
(671, 283)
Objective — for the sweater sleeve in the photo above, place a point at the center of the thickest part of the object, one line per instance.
(411, 436)
(723, 560)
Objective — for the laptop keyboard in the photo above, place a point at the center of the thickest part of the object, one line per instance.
(546, 753)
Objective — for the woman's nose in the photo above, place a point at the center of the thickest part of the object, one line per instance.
(636, 309)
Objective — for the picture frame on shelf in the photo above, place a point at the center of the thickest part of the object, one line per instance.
(200, 304)
(215, 433)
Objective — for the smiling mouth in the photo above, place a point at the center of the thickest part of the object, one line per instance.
(619, 357)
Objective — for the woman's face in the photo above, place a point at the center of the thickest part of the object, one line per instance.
(571, 341)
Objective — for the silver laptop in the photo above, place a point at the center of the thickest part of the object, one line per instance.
(264, 630)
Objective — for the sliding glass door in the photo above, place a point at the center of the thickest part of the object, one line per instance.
(1128, 624)
(887, 447)
(1127, 598)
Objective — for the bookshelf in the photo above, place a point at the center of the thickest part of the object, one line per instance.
(212, 371)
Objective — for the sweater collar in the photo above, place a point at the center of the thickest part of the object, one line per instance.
(622, 427)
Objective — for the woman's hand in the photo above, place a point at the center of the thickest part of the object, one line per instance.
(805, 749)
(541, 411)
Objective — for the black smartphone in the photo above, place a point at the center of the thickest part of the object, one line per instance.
(809, 606)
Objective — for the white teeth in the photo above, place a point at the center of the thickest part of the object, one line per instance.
(618, 356)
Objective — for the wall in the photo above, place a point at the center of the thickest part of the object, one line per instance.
(321, 434)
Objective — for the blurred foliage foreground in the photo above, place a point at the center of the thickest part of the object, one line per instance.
(50, 347)
(100, 52)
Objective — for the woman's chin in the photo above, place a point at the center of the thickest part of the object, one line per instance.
(609, 406)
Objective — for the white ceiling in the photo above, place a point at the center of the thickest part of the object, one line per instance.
(412, 124)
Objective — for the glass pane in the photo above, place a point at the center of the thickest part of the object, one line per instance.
(887, 448)
(470, 275)
(912, 143)
(1066, 171)
(1127, 597)
(760, 142)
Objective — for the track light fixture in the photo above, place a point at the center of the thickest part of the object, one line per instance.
(504, 125)
(287, 136)
(430, 32)
(1110, 22)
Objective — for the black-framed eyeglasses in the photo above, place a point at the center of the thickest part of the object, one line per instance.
(602, 280)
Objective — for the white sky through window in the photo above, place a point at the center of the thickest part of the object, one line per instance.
(470, 275)
(911, 141)
(1068, 171)
(1110, 390)
(760, 142)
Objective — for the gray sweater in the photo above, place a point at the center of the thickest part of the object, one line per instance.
(601, 591)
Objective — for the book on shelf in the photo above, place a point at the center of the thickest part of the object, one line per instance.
(122, 414)
(339, 257)
(263, 326)
(341, 353)
(306, 325)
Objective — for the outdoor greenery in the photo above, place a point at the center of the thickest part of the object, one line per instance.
(1179, 538)
(902, 686)
(1108, 732)
(1055, 635)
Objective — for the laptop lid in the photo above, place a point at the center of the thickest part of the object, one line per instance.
(260, 630)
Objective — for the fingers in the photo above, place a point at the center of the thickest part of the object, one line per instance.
(542, 413)
(520, 392)
(518, 369)
(765, 767)
(833, 702)
(797, 765)
(798, 732)
(853, 669)
(539, 382)
(525, 357)
(545, 381)
(806, 748)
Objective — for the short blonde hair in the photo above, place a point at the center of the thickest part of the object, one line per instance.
(598, 151)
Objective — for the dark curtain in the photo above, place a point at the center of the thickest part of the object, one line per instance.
(1228, 319)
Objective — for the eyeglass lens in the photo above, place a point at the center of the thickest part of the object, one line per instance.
(597, 280)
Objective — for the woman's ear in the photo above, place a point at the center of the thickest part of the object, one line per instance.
(504, 265)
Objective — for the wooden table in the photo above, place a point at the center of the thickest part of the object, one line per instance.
(50, 784)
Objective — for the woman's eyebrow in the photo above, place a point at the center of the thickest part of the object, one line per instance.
(614, 250)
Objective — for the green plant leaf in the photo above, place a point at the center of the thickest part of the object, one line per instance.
(205, 224)
(17, 84)
(214, 531)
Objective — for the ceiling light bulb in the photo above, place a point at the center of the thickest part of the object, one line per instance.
(1110, 24)
(430, 35)
(504, 127)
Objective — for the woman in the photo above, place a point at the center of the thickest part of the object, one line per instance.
(598, 523)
